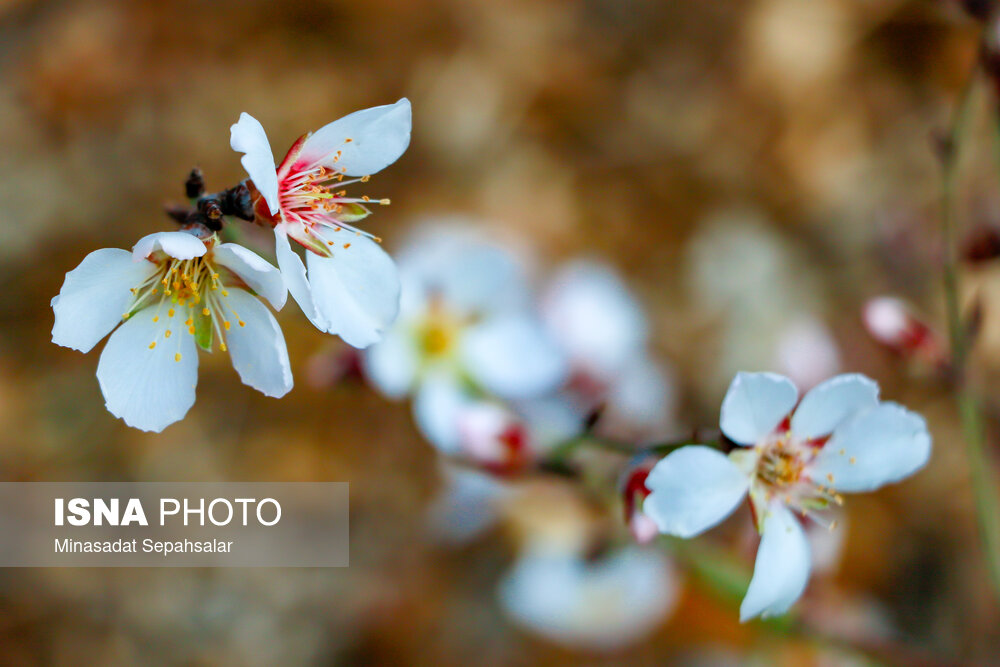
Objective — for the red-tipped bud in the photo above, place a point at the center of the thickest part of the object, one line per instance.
(494, 438)
(633, 489)
(891, 322)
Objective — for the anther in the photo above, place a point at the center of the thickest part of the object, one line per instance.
(206, 312)
(166, 334)
(152, 345)
(177, 357)
(226, 325)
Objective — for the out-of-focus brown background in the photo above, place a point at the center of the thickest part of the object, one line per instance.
(745, 164)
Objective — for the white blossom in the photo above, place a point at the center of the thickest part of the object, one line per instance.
(794, 460)
(175, 292)
(347, 285)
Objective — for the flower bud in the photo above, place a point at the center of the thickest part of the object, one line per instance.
(633, 489)
(892, 323)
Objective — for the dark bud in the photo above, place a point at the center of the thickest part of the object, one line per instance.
(194, 186)
(236, 201)
(199, 218)
(979, 9)
(210, 208)
(982, 244)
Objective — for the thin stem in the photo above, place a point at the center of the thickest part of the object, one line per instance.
(725, 577)
(984, 487)
(564, 449)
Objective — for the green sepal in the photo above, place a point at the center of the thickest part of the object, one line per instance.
(203, 331)
(352, 212)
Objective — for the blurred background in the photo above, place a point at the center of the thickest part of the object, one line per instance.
(755, 170)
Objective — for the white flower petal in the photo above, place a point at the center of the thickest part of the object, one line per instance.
(179, 245)
(94, 296)
(466, 505)
(247, 136)
(877, 447)
(781, 571)
(692, 489)
(640, 400)
(149, 388)
(471, 273)
(256, 345)
(436, 409)
(356, 291)
(293, 272)
(513, 357)
(602, 605)
(831, 402)
(594, 317)
(392, 363)
(254, 270)
(755, 404)
(368, 140)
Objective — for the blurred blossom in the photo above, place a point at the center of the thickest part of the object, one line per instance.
(807, 353)
(602, 328)
(792, 458)
(465, 339)
(172, 283)
(351, 288)
(602, 604)
(466, 505)
(759, 295)
(891, 322)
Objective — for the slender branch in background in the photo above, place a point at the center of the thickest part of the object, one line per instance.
(983, 479)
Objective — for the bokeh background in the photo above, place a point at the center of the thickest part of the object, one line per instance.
(756, 170)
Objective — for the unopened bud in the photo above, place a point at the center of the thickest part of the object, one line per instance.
(632, 486)
(210, 208)
(892, 323)
(194, 186)
(979, 9)
(237, 201)
(982, 244)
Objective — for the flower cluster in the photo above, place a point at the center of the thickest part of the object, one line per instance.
(502, 376)
(183, 290)
(506, 374)
(500, 373)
